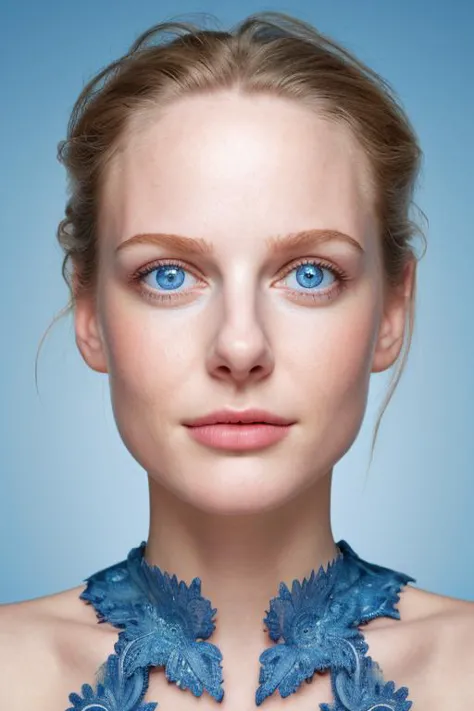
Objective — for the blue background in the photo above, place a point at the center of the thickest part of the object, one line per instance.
(72, 499)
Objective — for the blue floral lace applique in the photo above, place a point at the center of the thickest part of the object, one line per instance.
(315, 626)
(376, 587)
(115, 691)
(317, 632)
(114, 592)
(366, 690)
(162, 620)
(318, 621)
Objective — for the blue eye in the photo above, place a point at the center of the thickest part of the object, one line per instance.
(167, 276)
(310, 275)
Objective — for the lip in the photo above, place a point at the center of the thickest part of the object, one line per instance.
(234, 417)
(239, 437)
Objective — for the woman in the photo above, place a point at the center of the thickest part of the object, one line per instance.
(239, 234)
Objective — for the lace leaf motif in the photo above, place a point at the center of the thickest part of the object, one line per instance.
(114, 692)
(152, 640)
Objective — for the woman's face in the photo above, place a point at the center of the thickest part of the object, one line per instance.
(243, 325)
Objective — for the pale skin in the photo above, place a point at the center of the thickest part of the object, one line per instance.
(235, 172)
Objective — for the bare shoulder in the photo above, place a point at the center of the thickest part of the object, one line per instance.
(449, 624)
(430, 649)
(30, 622)
(447, 621)
(451, 620)
(53, 642)
(418, 604)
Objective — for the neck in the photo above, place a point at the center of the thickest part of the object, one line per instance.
(241, 559)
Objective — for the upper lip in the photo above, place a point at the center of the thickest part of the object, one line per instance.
(235, 416)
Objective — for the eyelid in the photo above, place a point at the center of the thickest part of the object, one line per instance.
(289, 266)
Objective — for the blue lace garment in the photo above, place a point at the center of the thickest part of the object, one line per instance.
(165, 623)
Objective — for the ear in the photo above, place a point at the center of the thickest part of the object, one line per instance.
(89, 336)
(392, 327)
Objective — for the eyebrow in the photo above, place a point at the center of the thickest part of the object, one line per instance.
(276, 245)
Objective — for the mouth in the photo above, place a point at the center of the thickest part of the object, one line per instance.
(236, 436)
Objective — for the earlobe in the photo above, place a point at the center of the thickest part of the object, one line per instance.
(89, 336)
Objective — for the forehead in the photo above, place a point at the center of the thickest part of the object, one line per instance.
(234, 169)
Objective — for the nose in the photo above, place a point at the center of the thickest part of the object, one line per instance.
(241, 352)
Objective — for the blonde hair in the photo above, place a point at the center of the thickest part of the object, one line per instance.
(268, 52)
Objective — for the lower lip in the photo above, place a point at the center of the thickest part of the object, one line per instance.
(239, 437)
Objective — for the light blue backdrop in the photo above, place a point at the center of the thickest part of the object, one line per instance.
(72, 498)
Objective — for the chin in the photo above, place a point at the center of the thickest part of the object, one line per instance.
(236, 503)
(238, 486)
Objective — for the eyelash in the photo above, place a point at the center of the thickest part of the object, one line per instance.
(341, 278)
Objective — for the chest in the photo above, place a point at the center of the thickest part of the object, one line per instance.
(409, 656)
(424, 692)
(240, 686)
(408, 659)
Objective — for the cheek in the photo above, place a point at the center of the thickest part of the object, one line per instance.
(148, 368)
(149, 354)
(345, 389)
(334, 349)
(333, 360)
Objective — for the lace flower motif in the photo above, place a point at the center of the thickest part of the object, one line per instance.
(316, 625)
(115, 691)
(162, 621)
(366, 691)
(317, 628)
